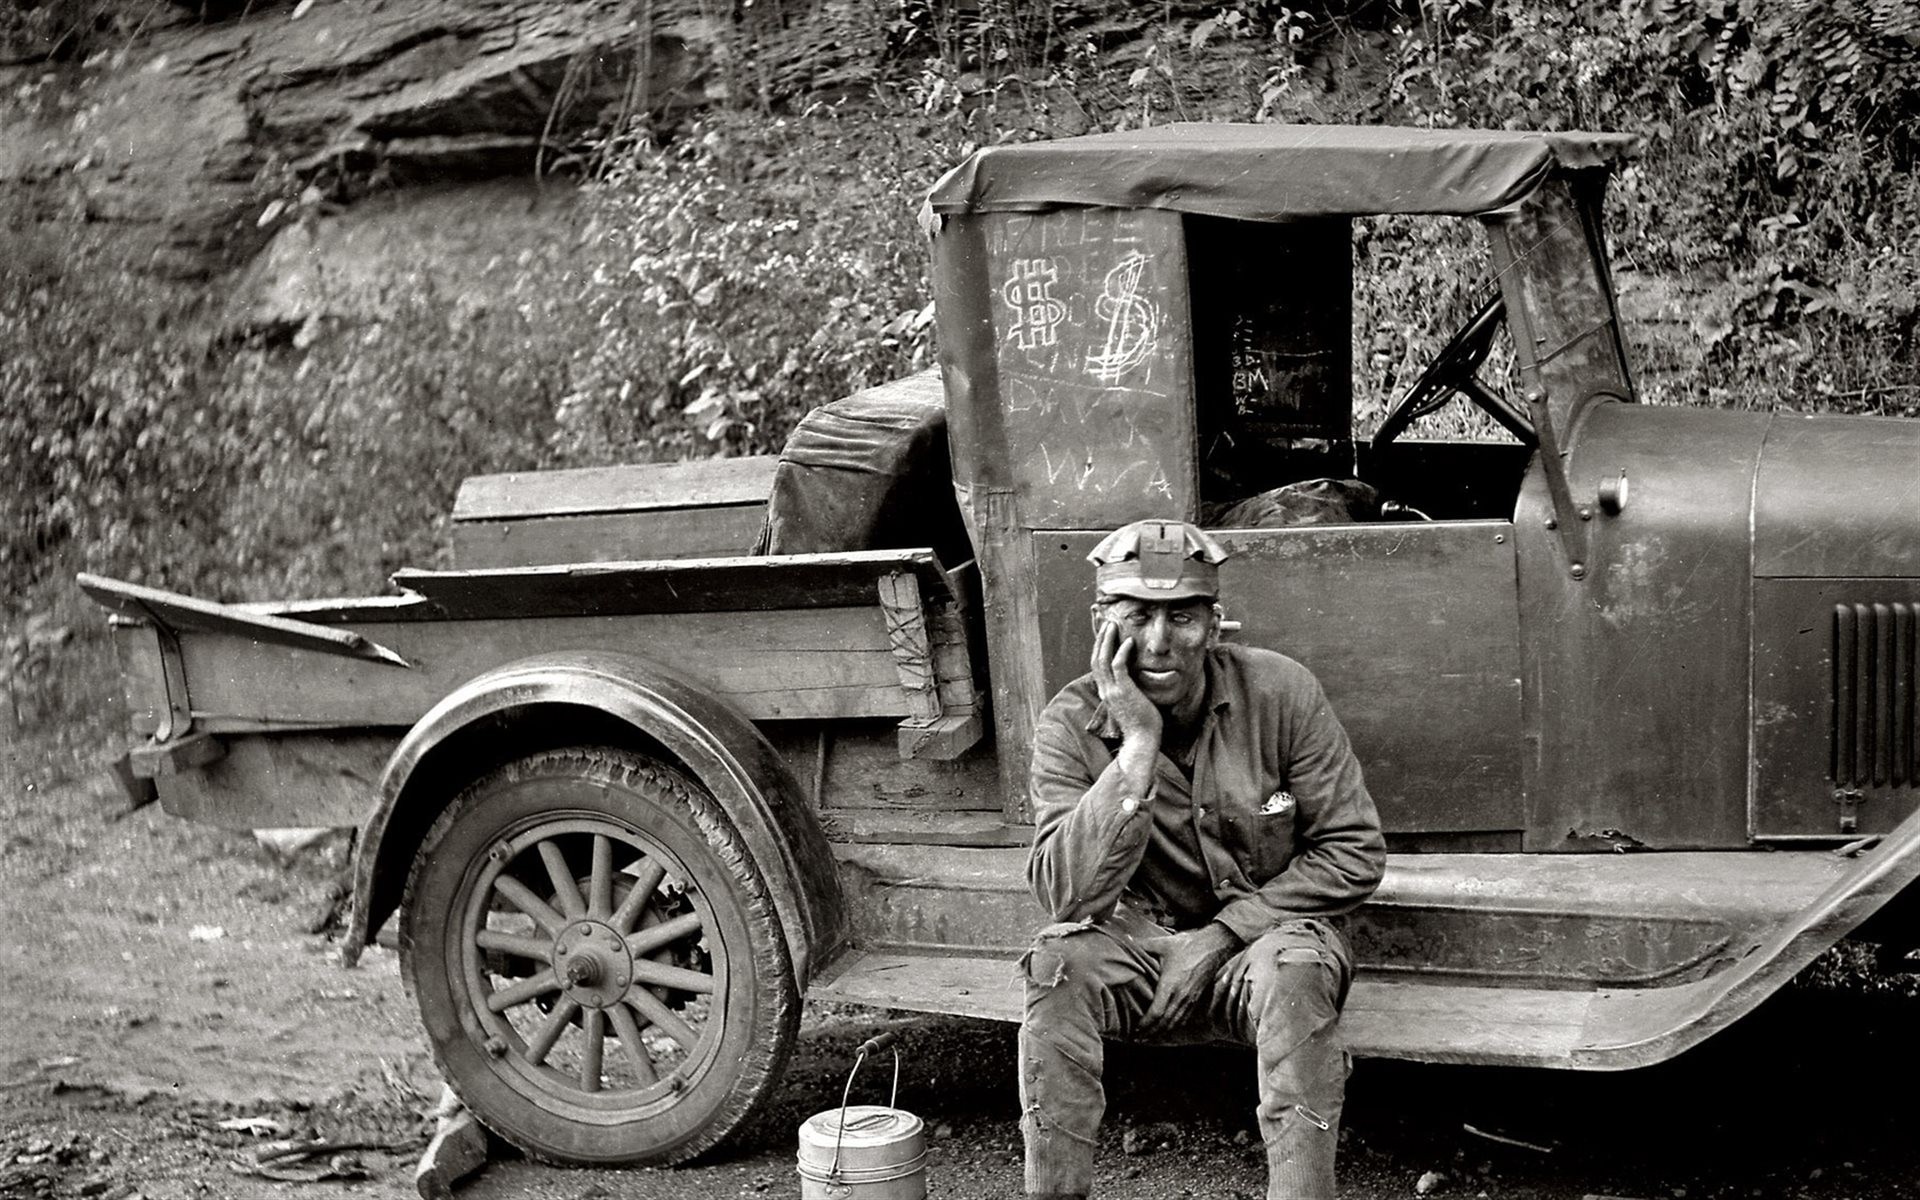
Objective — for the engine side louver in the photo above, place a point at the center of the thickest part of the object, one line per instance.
(1874, 685)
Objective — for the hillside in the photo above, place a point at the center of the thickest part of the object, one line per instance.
(278, 275)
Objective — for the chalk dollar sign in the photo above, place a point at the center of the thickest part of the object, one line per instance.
(1133, 323)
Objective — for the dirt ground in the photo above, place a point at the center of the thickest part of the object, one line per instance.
(173, 1019)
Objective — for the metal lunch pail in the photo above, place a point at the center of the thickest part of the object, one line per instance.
(864, 1151)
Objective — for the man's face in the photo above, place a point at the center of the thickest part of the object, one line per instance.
(1170, 641)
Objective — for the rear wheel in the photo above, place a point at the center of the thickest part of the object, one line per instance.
(596, 959)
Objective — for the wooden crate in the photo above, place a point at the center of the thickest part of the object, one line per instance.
(711, 508)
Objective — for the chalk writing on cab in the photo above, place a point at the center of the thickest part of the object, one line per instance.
(1133, 322)
(1037, 312)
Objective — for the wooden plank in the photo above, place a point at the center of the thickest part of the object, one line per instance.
(807, 663)
(955, 724)
(1013, 621)
(632, 488)
(1493, 1026)
(912, 652)
(1745, 888)
(176, 755)
(136, 791)
(899, 827)
(968, 987)
(952, 656)
(869, 772)
(712, 585)
(938, 899)
(343, 610)
(458, 1149)
(174, 611)
(136, 644)
(942, 737)
(284, 780)
(1485, 1026)
(608, 537)
(863, 770)
(941, 868)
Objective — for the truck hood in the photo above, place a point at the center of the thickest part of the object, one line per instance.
(1838, 497)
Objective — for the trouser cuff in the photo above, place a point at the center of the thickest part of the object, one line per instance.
(1300, 1173)
(1058, 1164)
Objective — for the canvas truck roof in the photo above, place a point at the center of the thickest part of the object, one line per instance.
(1275, 172)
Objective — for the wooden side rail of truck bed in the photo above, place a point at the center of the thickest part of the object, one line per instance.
(871, 634)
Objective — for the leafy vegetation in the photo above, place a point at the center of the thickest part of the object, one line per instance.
(742, 274)
(1773, 201)
(742, 268)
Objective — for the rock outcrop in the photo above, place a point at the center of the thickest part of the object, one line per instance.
(204, 139)
(320, 148)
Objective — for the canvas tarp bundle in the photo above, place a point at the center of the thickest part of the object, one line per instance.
(1274, 172)
(867, 472)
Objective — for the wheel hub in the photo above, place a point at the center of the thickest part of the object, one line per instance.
(593, 964)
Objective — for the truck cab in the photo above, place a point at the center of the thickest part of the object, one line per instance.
(1541, 644)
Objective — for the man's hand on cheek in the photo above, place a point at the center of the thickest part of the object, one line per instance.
(1112, 663)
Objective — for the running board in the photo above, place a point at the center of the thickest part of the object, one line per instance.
(1384, 1018)
(1548, 922)
(968, 904)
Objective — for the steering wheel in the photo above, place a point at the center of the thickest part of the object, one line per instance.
(1452, 372)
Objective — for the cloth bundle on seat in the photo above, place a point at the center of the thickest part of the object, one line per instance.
(867, 472)
(1309, 502)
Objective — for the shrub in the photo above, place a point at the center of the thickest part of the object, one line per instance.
(1774, 198)
(739, 276)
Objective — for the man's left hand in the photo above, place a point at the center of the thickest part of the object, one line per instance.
(1188, 963)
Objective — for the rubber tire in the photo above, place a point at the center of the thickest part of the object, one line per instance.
(664, 805)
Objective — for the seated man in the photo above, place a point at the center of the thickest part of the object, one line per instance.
(1199, 824)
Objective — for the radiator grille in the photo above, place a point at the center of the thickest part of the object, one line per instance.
(1874, 686)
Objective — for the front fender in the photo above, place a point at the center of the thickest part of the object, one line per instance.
(458, 740)
(1634, 1027)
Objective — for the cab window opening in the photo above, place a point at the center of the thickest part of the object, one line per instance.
(1307, 334)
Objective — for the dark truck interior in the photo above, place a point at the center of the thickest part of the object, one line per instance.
(1273, 380)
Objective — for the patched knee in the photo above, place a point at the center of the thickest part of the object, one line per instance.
(1295, 974)
(1044, 967)
(1050, 961)
(1286, 970)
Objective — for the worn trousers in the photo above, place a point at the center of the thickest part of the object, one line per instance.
(1085, 981)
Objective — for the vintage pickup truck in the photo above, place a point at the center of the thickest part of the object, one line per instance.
(1634, 686)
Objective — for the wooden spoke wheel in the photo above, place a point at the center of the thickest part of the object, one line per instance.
(596, 959)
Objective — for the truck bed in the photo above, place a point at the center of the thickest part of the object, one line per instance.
(870, 634)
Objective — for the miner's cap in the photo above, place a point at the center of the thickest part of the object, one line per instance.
(1158, 560)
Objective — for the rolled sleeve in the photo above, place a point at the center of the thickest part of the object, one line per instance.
(1086, 842)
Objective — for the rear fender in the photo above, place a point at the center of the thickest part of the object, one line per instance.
(498, 716)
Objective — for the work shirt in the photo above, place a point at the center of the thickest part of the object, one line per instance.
(1272, 823)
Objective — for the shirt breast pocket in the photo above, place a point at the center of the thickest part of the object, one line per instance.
(1269, 843)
